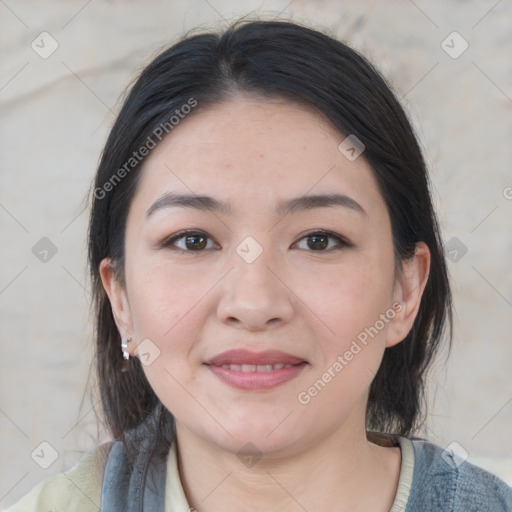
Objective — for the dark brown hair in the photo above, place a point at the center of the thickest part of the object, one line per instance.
(281, 60)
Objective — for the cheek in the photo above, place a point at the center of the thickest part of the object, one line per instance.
(167, 308)
(351, 298)
(352, 306)
(354, 303)
(162, 298)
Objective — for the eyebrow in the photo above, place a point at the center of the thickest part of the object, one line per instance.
(208, 203)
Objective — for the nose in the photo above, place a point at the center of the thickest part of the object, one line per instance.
(254, 296)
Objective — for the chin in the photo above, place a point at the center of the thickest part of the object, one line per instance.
(253, 438)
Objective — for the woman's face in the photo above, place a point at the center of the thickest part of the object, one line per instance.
(259, 327)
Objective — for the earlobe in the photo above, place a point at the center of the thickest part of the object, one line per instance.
(408, 292)
(118, 300)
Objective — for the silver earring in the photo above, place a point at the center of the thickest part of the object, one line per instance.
(124, 346)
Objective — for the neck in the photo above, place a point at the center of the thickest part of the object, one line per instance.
(342, 472)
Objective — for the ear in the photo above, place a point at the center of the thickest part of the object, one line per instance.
(408, 292)
(118, 299)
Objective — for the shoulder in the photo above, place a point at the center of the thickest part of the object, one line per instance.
(443, 480)
(75, 490)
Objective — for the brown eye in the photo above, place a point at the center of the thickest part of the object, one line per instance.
(195, 242)
(317, 242)
(321, 241)
(187, 241)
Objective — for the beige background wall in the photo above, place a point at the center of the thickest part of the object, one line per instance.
(56, 113)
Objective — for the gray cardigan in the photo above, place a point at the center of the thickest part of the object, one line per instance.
(439, 483)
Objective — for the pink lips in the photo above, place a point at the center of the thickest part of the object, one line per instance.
(238, 368)
(246, 357)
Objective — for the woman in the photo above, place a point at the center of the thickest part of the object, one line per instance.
(270, 291)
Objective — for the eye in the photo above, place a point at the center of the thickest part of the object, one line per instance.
(197, 241)
(191, 241)
(319, 241)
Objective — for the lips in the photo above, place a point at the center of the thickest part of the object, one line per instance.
(256, 367)
(251, 371)
(246, 358)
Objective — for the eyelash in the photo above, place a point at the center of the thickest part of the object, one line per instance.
(168, 242)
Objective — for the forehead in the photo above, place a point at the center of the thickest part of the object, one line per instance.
(246, 151)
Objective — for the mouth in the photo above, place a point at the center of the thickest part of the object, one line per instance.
(246, 368)
(251, 371)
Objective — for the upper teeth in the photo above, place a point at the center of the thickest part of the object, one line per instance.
(256, 367)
